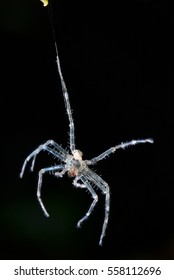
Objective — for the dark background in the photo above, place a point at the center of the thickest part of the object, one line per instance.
(118, 63)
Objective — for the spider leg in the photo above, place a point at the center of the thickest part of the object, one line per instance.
(41, 172)
(67, 104)
(56, 151)
(104, 187)
(121, 146)
(93, 193)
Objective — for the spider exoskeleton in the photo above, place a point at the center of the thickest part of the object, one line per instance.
(72, 163)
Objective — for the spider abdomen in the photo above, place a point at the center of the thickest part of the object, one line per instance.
(73, 172)
(76, 167)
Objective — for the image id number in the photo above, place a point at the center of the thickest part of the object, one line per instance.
(133, 270)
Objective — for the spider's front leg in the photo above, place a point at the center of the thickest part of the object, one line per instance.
(121, 146)
(56, 151)
(85, 184)
(54, 169)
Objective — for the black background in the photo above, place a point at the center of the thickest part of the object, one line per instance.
(118, 63)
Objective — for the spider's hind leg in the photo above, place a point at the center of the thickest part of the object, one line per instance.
(41, 172)
(85, 184)
(104, 187)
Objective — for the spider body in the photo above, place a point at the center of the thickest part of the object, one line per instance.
(77, 165)
(72, 163)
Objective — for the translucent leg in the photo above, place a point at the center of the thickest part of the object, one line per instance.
(93, 193)
(41, 172)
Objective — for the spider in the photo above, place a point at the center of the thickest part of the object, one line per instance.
(73, 164)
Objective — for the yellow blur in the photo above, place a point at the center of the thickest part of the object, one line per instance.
(45, 2)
